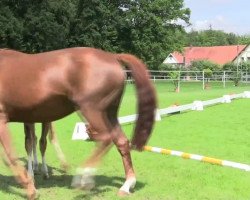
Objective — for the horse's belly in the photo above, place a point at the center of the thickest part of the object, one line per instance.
(43, 112)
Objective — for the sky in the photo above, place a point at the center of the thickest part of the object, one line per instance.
(226, 15)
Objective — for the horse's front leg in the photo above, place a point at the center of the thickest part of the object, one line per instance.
(102, 134)
(122, 144)
(18, 170)
(84, 178)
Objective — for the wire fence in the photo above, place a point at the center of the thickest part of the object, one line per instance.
(226, 78)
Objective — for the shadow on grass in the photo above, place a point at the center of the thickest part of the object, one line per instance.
(104, 184)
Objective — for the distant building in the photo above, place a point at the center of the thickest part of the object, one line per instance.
(217, 54)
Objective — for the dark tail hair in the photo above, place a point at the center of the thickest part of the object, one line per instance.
(146, 100)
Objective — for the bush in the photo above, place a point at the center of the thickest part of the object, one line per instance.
(200, 65)
(244, 66)
(208, 73)
(167, 67)
(230, 66)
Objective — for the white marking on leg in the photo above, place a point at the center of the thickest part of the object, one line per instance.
(30, 167)
(44, 168)
(35, 163)
(129, 184)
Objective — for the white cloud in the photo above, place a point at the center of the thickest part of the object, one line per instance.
(220, 1)
(218, 23)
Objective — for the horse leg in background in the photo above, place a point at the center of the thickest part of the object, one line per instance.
(30, 146)
(56, 145)
(18, 170)
(43, 146)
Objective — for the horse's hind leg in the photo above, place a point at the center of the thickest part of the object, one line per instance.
(20, 173)
(122, 144)
(43, 146)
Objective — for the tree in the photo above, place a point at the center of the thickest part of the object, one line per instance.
(210, 38)
(47, 25)
(151, 27)
(10, 29)
(245, 39)
(175, 77)
(208, 73)
(95, 24)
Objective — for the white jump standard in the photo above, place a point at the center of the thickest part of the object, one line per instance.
(198, 157)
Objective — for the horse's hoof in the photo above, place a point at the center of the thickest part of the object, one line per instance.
(34, 195)
(83, 182)
(65, 167)
(88, 186)
(45, 176)
(36, 170)
(127, 186)
(122, 193)
(84, 178)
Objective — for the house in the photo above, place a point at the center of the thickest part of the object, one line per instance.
(217, 54)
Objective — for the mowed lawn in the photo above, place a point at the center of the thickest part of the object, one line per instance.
(221, 131)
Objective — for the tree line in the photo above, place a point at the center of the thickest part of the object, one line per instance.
(150, 29)
(145, 28)
(212, 37)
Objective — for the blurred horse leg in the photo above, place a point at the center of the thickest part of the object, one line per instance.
(30, 146)
(105, 129)
(56, 145)
(97, 116)
(20, 172)
(122, 144)
(84, 178)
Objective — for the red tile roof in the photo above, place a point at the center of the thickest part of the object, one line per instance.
(217, 54)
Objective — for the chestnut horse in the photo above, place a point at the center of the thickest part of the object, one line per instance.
(31, 143)
(48, 86)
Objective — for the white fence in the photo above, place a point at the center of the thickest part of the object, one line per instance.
(196, 105)
(198, 76)
(80, 132)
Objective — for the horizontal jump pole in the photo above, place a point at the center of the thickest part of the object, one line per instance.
(198, 158)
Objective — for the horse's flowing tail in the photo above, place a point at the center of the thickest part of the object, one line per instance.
(146, 100)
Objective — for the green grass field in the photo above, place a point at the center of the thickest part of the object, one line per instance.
(220, 131)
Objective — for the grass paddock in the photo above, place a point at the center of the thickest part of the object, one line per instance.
(220, 131)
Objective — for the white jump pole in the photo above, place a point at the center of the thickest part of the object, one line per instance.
(210, 160)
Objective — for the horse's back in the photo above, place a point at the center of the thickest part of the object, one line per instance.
(33, 85)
